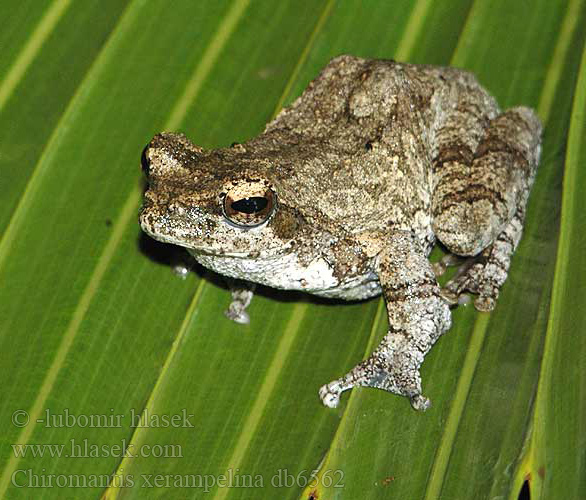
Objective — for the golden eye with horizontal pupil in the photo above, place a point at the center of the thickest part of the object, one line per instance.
(249, 211)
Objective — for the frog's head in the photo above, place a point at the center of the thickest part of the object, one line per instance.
(220, 202)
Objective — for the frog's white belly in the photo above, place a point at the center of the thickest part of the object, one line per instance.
(287, 273)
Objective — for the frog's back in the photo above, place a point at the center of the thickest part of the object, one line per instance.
(366, 127)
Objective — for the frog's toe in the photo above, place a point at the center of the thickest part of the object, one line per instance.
(485, 303)
(449, 296)
(419, 402)
(454, 297)
(455, 291)
(468, 281)
(237, 315)
(330, 394)
(242, 293)
(182, 270)
(470, 278)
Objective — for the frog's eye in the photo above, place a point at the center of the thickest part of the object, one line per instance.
(250, 207)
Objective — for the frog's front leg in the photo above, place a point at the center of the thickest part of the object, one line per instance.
(417, 317)
(242, 293)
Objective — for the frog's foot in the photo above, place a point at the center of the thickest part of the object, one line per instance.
(475, 278)
(237, 313)
(330, 393)
(485, 274)
(405, 381)
(242, 294)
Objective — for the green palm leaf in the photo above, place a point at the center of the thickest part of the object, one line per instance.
(93, 324)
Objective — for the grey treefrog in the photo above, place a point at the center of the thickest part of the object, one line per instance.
(346, 192)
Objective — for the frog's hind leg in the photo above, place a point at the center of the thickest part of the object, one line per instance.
(417, 317)
(485, 274)
(479, 205)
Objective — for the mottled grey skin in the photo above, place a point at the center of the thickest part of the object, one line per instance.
(363, 173)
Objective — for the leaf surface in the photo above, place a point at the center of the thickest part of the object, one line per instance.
(97, 333)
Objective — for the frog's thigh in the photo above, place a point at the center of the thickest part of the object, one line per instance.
(476, 197)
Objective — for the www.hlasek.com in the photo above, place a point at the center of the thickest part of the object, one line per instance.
(233, 478)
(86, 449)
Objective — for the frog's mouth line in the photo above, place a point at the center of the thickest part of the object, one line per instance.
(213, 252)
(160, 230)
(216, 253)
(236, 255)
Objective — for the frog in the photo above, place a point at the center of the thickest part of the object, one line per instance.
(345, 194)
